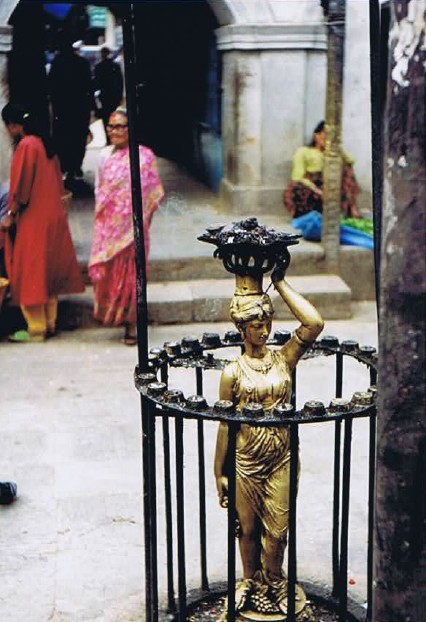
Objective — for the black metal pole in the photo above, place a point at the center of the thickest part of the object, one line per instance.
(292, 572)
(339, 374)
(180, 504)
(336, 507)
(336, 483)
(171, 605)
(128, 22)
(153, 513)
(373, 376)
(202, 488)
(132, 115)
(371, 499)
(147, 508)
(168, 511)
(346, 480)
(232, 514)
(376, 136)
(293, 397)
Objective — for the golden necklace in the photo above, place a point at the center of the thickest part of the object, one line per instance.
(263, 365)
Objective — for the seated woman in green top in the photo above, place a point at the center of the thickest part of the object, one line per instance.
(304, 192)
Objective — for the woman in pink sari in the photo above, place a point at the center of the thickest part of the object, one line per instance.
(112, 258)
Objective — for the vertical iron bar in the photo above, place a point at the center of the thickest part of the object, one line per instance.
(373, 376)
(153, 521)
(339, 374)
(336, 483)
(147, 508)
(142, 305)
(376, 136)
(336, 506)
(180, 503)
(171, 605)
(164, 371)
(199, 380)
(130, 75)
(371, 494)
(293, 388)
(343, 587)
(168, 512)
(202, 489)
(232, 515)
(292, 571)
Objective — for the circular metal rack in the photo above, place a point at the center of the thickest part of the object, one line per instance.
(160, 402)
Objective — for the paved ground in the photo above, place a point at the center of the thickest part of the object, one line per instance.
(72, 544)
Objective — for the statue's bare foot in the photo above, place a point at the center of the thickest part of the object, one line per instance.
(278, 591)
(223, 616)
(242, 592)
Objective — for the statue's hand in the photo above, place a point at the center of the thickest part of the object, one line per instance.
(282, 263)
(222, 491)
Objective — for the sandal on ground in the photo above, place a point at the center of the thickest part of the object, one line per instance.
(52, 332)
(23, 336)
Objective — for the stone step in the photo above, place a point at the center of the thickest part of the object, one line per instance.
(307, 259)
(207, 300)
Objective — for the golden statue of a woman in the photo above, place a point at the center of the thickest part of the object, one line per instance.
(262, 453)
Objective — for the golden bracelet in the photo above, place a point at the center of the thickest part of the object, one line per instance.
(303, 342)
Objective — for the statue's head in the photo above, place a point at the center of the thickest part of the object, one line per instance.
(245, 309)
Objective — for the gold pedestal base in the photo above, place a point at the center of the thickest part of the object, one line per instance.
(255, 616)
(261, 606)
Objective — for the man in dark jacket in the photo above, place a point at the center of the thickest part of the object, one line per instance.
(71, 94)
(109, 83)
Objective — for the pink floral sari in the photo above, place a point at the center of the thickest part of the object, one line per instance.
(112, 258)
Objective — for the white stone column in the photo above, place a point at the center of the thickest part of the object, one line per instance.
(273, 85)
(242, 128)
(5, 150)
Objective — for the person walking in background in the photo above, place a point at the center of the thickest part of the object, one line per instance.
(108, 80)
(305, 191)
(39, 253)
(112, 258)
(71, 95)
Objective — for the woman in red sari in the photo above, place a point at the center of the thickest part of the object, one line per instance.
(39, 253)
(112, 258)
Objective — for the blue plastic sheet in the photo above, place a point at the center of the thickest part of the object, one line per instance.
(311, 226)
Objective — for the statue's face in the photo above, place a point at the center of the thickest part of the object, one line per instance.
(257, 331)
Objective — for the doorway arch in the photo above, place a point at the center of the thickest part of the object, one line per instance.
(179, 74)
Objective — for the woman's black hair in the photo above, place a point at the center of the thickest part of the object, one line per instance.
(15, 113)
(319, 128)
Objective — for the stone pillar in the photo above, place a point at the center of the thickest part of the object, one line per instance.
(5, 150)
(335, 14)
(242, 116)
(273, 95)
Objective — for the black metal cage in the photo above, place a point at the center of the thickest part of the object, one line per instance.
(166, 412)
(167, 406)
